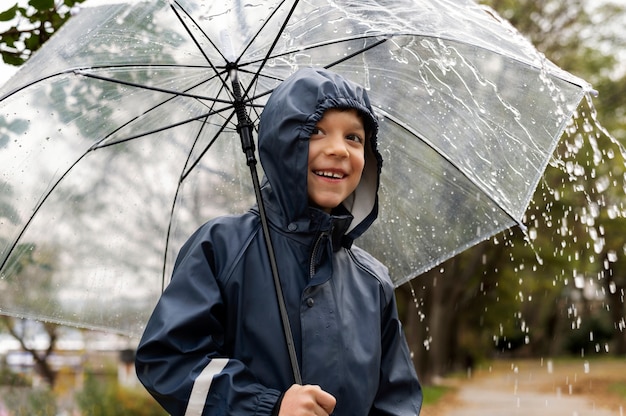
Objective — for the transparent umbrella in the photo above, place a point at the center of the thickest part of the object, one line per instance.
(118, 138)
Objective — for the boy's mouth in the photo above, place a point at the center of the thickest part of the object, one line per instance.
(329, 174)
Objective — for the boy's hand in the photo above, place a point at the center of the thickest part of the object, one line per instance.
(306, 401)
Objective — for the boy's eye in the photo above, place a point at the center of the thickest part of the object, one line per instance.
(355, 138)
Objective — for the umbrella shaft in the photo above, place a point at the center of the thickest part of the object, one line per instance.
(244, 128)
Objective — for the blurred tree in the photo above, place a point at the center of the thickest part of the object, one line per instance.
(84, 204)
(32, 282)
(30, 26)
(104, 397)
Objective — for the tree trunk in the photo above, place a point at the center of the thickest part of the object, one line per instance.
(42, 366)
(416, 299)
(616, 303)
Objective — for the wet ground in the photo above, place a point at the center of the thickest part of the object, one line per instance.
(561, 388)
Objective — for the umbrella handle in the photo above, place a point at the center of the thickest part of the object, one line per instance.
(244, 128)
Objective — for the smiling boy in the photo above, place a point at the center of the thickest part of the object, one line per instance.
(214, 344)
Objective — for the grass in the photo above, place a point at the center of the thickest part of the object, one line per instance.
(618, 388)
(432, 394)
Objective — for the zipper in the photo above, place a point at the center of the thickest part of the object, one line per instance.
(315, 254)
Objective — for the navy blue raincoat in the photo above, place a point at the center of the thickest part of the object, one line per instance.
(214, 344)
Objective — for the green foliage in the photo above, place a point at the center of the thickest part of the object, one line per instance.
(9, 14)
(432, 394)
(42, 4)
(30, 278)
(31, 26)
(100, 398)
(618, 388)
(9, 378)
(30, 402)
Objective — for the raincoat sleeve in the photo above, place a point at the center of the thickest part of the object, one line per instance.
(399, 392)
(181, 359)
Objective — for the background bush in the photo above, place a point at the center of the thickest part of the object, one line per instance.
(108, 398)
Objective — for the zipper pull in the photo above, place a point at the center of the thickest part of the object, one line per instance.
(316, 254)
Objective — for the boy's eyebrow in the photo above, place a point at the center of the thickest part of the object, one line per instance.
(358, 125)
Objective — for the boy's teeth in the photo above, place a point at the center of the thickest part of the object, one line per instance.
(333, 175)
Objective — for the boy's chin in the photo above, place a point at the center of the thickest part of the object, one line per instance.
(338, 209)
(315, 206)
(325, 208)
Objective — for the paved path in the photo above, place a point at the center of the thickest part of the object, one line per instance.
(529, 390)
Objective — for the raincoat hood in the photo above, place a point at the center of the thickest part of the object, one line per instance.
(286, 124)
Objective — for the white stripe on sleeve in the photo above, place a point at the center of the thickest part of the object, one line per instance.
(202, 385)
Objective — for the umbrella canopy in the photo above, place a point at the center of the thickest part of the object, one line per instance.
(118, 138)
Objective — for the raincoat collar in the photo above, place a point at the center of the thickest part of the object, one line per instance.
(286, 124)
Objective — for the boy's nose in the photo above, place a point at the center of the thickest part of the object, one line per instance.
(336, 146)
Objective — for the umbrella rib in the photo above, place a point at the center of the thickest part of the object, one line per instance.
(43, 199)
(249, 100)
(99, 144)
(186, 171)
(573, 81)
(257, 74)
(151, 88)
(75, 163)
(327, 66)
(321, 45)
(404, 126)
(256, 35)
(81, 71)
(236, 64)
(271, 48)
(337, 62)
(194, 164)
(154, 107)
(195, 41)
(193, 38)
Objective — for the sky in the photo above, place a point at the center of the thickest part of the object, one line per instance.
(6, 71)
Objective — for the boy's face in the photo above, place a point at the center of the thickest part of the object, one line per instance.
(336, 158)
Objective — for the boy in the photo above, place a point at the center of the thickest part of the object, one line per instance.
(214, 344)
